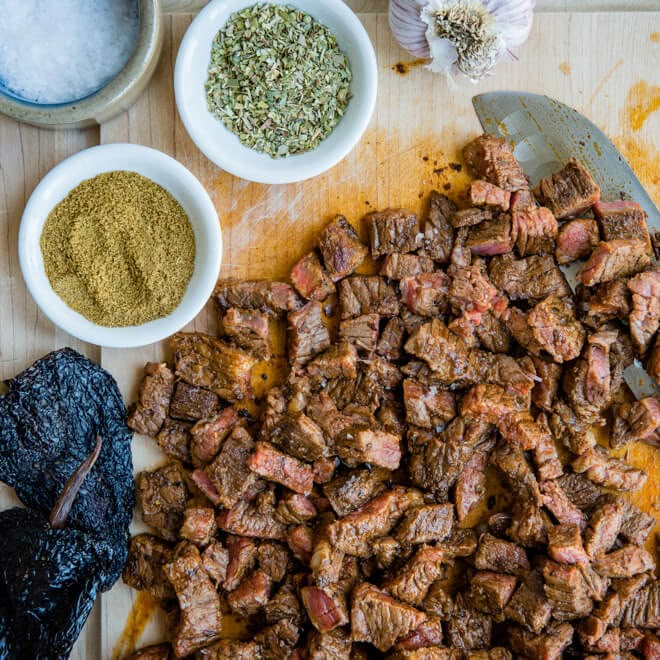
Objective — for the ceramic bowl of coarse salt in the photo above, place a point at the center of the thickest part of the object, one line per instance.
(76, 63)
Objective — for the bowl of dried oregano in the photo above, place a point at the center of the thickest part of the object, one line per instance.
(120, 245)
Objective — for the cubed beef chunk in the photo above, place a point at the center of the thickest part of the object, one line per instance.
(360, 445)
(534, 231)
(231, 649)
(411, 582)
(367, 294)
(198, 525)
(427, 635)
(653, 365)
(423, 524)
(607, 471)
(380, 619)
(627, 561)
(426, 405)
(605, 302)
(391, 339)
(242, 556)
(566, 591)
(490, 592)
(310, 278)
(326, 607)
(517, 324)
(248, 329)
(565, 544)
(517, 471)
(522, 199)
(568, 192)
(639, 421)
(622, 219)
(251, 595)
(274, 465)
(143, 570)
(425, 294)
(493, 334)
(470, 486)
(393, 230)
(353, 489)
(548, 645)
(308, 335)
(200, 620)
(362, 332)
(216, 560)
(576, 239)
(255, 520)
(604, 527)
(471, 292)
(546, 458)
(175, 440)
(397, 266)
(162, 496)
(528, 606)
(468, 628)
(469, 217)
(500, 556)
(340, 360)
(438, 233)
(556, 329)
(490, 158)
(300, 541)
(294, 508)
(270, 297)
(643, 609)
(557, 501)
(531, 278)
(153, 652)
(334, 644)
(285, 605)
(208, 435)
(644, 317)
(529, 524)
(483, 193)
(204, 361)
(461, 255)
(492, 237)
(612, 260)
(341, 249)
(154, 395)
(301, 437)
(192, 403)
(545, 389)
(277, 641)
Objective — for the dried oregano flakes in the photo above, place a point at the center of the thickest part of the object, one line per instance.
(277, 79)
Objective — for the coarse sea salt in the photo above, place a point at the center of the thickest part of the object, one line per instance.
(60, 51)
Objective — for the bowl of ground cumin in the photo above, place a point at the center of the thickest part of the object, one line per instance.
(120, 245)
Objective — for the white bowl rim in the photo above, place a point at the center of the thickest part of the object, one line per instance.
(105, 158)
(300, 166)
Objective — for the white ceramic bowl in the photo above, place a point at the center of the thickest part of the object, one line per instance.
(223, 147)
(165, 171)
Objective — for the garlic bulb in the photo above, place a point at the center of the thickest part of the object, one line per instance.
(461, 36)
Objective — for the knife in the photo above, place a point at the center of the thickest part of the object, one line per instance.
(544, 133)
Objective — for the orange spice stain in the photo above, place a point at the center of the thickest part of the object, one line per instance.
(565, 68)
(142, 610)
(655, 37)
(603, 82)
(402, 68)
(642, 100)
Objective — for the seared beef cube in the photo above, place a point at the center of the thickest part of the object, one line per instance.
(612, 260)
(355, 488)
(492, 237)
(216, 560)
(251, 595)
(248, 329)
(622, 219)
(153, 652)
(335, 644)
(490, 158)
(556, 329)
(192, 403)
(517, 471)
(604, 615)
(294, 509)
(534, 231)
(516, 376)
(284, 605)
(341, 249)
(529, 525)
(471, 292)
(427, 636)
(361, 332)
(627, 561)
(393, 230)
(565, 544)
(522, 199)
(326, 563)
(490, 593)
(483, 193)
(242, 555)
(386, 550)
(281, 468)
(493, 335)
(566, 591)
(311, 279)
(326, 607)
(354, 533)
(277, 641)
(204, 361)
(270, 297)
(375, 447)
(431, 522)
(391, 339)
(229, 472)
(596, 584)
(411, 583)
(576, 239)
(397, 266)
(301, 437)
(469, 628)
(162, 495)
(604, 527)
(367, 294)
(546, 459)
(198, 525)
(469, 217)
(607, 301)
(494, 554)
(425, 294)
(548, 645)
(438, 232)
(653, 364)
(174, 439)
(340, 360)
(300, 540)
(568, 192)
(307, 334)
(609, 472)
(380, 619)
(528, 606)
(438, 602)
(496, 653)
(516, 322)
(471, 484)
(254, 520)
(427, 406)
(531, 278)
(643, 609)
(556, 500)
(645, 314)
(639, 421)
(144, 567)
(200, 620)
(154, 394)
(209, 434)
(461, 255)
(230, 649)
(545, 390)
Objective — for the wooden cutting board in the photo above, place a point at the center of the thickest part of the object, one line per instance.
(604, 64)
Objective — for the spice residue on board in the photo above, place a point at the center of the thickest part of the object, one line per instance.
(403, 68)
(139, 616)
(642, 100)
(565, 68)
(655, 37)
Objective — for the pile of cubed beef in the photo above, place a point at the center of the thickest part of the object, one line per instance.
(354, 517)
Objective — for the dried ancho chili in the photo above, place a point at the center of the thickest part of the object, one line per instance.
(50, 452)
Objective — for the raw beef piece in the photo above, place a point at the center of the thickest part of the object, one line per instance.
(341, 249)
(576, 239)
(568, 192)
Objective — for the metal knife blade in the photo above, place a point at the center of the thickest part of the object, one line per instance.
(544, 133)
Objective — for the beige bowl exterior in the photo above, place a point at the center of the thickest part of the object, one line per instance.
(118, 95)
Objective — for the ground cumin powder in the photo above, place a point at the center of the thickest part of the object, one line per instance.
(119, 249)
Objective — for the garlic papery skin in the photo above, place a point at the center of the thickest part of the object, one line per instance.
(461, 36)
